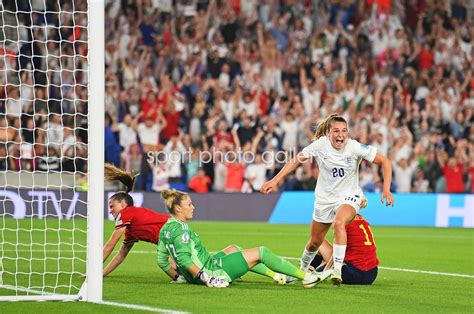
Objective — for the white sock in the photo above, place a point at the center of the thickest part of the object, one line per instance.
(339, 252)
(306, 259)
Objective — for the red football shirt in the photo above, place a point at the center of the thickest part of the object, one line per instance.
(454, 178)
(142, 224)
(472, 179)
(199, 184)
(425, 59)
(360, 250)
(235, 177)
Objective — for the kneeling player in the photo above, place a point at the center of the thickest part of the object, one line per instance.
(360, 262)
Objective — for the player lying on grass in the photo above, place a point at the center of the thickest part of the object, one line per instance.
(360, 262)
(198, 266)
(136, 223)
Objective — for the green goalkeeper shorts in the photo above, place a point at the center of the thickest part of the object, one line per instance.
(233, 264)
(218, 254)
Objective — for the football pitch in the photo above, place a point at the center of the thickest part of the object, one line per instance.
(422, 270)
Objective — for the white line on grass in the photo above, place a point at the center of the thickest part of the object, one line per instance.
(402, 236)
(141, 307)
(76, 297)
(285, 257)
(426, 272)
(408, 270)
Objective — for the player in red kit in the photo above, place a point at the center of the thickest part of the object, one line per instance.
(360, 262)
(136, 223)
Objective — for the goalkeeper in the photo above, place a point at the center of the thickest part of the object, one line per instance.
(196, 265)
(134, 223)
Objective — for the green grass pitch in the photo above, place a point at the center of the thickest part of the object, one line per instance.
(139, 281)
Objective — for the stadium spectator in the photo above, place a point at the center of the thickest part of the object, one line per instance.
(200, 182)
(234, 175)
(132, 161)
(420, 184)
(127, 133)
(112, 147)
(403, 174)
(161, 175)
(148, 133)
(452, 169)
(7, 131)
(174, 151)
(386, 66)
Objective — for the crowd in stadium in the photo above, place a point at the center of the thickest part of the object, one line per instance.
(43, 86)
(187, 77)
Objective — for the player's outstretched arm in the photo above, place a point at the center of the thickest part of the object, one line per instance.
(119, 257)
(272, 185)
(114, 238)
(386, 164)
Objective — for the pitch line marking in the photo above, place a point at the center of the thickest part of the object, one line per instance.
(378, 236)
(111, 303)
(291, 258)
(426, 272)
(408, 270)
(141, 307)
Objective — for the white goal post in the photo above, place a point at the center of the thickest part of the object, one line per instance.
(51, 150)
(95, 214)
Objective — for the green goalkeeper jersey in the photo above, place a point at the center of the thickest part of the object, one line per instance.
(180, 242)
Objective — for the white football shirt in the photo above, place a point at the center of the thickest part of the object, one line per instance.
(338, 169)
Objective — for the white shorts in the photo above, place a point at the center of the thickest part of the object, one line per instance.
(326, 213)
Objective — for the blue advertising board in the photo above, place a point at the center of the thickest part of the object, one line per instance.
(433, 210)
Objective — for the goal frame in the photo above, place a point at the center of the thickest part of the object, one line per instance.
(91, 290)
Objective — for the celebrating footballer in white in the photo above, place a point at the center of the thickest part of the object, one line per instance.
(338, 196)
(338, 181)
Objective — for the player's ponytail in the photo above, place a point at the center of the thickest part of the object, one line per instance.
(172, 198)
(112, 173)
(325, 125)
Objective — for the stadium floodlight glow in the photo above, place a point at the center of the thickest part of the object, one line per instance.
(52, 68)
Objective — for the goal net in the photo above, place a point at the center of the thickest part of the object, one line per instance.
(50, 244)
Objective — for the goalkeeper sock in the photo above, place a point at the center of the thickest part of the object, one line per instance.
(278, 264)
(307, 258)
(263, 270)
(339, 251)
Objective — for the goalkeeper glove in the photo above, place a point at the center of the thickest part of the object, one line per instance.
(213, 282)
(179, 279)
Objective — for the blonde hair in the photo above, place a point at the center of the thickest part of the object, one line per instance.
(112, 173)
(325, 125)
(172, 198)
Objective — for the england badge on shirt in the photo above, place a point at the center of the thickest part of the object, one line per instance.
(348, 160)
